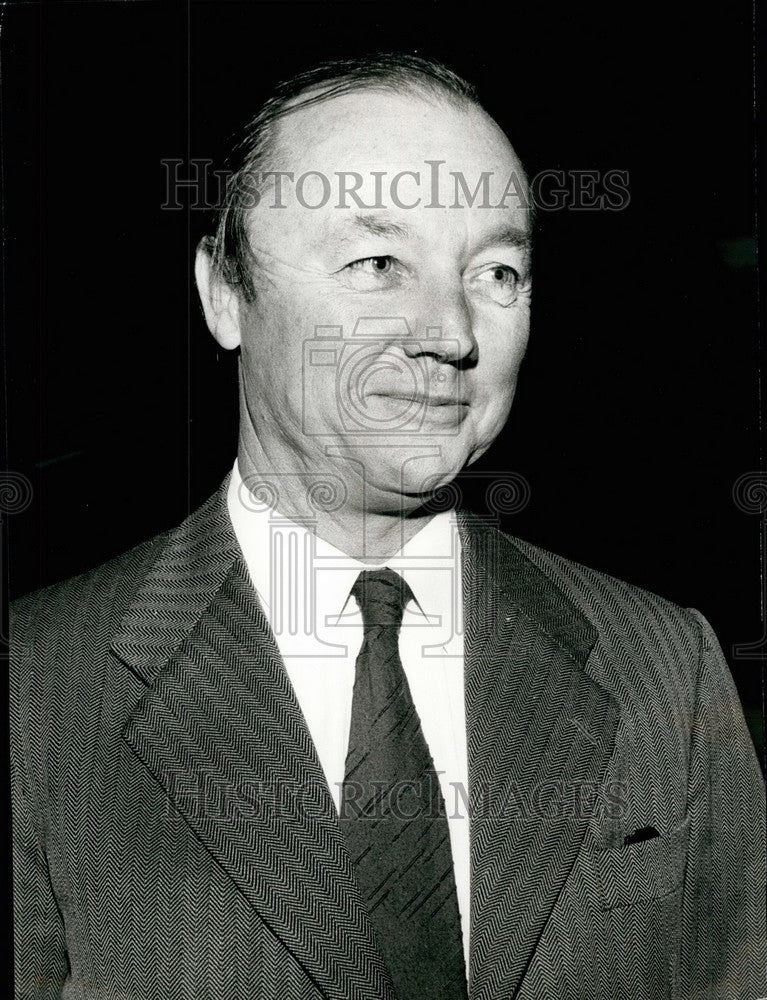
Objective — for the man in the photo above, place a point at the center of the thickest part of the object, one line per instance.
(321, 741)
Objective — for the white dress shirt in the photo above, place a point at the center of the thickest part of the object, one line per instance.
(304, 583)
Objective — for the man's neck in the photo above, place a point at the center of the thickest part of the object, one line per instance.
(308, 497)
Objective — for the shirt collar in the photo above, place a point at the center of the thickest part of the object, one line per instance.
(427, 561)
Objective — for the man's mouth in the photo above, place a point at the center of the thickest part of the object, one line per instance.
(424, 399)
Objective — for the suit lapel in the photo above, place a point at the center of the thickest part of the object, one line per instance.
(538, 729)
(220, 728)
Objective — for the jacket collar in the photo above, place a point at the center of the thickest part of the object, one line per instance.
(199, 554)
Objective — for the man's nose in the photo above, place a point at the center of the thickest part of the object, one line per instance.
(444, 330)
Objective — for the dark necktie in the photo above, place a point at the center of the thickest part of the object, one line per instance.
(392, 811)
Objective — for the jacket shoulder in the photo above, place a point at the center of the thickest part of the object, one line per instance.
(607, 601)
(61, 635)
(648, 649)
(648, 652)
(59, 666)
(91, 602)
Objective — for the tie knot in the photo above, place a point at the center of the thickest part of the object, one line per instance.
(382, 595)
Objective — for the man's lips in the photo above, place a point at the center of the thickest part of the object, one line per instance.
(423, 399)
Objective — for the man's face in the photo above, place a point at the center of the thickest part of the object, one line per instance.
(384, 342)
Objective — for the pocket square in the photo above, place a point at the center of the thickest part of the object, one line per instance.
(645, 833)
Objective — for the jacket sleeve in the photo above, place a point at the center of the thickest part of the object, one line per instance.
(724, 940)
(40, 957)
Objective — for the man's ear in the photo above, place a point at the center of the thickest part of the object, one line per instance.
(219, 300)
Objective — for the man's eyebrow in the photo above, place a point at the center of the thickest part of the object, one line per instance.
(373, 225)
(505, 235)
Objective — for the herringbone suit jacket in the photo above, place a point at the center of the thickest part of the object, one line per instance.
(152, 721)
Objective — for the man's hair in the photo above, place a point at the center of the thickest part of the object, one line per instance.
(397, 71)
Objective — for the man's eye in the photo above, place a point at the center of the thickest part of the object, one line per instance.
(377, 265)
(370, 274)
(500, 283)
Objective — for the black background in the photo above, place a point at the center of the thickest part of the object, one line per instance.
(638, 404)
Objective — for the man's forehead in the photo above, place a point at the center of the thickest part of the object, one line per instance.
(391, 165)
(369, 129)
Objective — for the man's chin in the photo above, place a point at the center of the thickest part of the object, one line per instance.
(417, 477)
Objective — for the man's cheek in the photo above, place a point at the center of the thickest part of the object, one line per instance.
(493, 409)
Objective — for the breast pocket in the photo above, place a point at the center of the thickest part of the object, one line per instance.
(650, 869)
